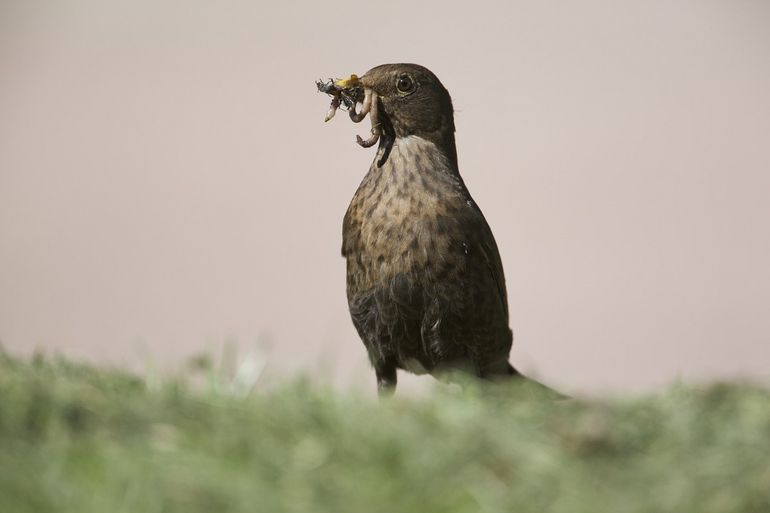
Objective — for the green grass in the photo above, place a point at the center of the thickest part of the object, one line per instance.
(75, 438)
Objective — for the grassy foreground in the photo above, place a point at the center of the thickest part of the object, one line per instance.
(75, 438)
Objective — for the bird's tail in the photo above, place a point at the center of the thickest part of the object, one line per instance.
(509, 373)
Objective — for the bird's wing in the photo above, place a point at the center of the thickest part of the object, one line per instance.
(489, 249)
(487, 244)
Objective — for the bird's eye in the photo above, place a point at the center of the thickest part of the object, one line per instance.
(405, 84)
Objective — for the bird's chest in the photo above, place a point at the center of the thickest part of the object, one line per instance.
(390, 217)
(394, 208)
(402, 220)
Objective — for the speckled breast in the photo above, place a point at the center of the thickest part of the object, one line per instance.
(402, 216)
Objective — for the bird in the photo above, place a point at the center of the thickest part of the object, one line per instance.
(425, 283)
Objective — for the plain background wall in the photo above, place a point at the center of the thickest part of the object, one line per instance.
(167, 182)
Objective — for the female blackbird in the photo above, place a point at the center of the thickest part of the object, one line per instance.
(425, 282)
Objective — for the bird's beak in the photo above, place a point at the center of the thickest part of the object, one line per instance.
(348, 83)
(365, 82)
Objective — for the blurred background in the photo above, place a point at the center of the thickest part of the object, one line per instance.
(168, 186)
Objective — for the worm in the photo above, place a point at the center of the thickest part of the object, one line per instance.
(373, 117)
(357, 117)
(332, 108)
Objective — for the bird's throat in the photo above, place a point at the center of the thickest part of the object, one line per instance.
(414, 152)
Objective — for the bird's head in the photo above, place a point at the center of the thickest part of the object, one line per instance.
(412, 101)
(402, 100)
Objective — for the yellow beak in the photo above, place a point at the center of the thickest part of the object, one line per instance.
(347, 83)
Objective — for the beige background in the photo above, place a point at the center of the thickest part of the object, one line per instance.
(167, 183)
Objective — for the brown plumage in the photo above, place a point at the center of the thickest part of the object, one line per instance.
(425, 282)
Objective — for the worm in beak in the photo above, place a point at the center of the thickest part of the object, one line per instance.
(349, 92)
(376, 129)
(366, 106)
